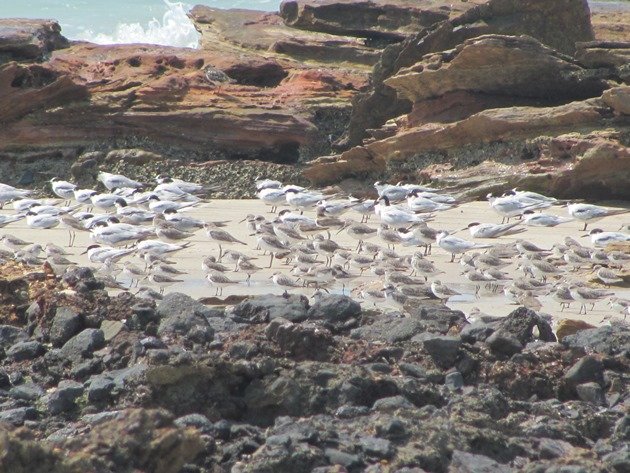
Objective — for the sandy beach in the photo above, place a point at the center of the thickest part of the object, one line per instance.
(195, 284)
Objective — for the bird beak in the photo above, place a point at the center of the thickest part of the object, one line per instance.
(241, 221)
(84, 252)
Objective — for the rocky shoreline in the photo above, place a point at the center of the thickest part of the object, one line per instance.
(92, 382)
(475, 95)
(471, 96)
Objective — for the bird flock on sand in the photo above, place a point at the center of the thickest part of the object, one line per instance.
(136, 231)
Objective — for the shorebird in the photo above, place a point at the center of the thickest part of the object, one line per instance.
(542, 220)
(248, 268)
(607, 276)
(588, 213)
(442, 291)
(209, 263)
(358, 231)
(395, 298)
(586, 295)
(455, 245)
(221, 237)
(395, 216)
(391, 237)
(372, 296)
(562, 294)
(219, 280)
(272, 196)
(283, 280)
(163, 281)
(134, 273)
(272, 244)
(512, 206)
(491, 230)
(63, 189)
(13, 243)
(423, 267)
(601, 238)
(117, 181)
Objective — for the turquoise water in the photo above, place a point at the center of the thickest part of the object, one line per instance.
(123, 21)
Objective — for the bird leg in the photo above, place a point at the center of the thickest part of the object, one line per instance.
(271, 260)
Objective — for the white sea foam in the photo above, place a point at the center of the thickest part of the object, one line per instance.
(175, 29)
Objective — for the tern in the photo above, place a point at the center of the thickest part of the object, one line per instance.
(455, 245)
(491, 230)
(600, 238)
(588, 213)
(117, 181)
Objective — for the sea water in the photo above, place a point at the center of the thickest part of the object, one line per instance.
(124, 21)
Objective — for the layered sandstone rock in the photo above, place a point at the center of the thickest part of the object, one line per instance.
(24, 39)
(558, 24)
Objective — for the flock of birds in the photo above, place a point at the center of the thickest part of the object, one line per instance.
(136, 233)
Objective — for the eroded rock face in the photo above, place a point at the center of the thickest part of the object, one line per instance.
(22, 39)
(570, 24)
(515, 68)
(393, 20)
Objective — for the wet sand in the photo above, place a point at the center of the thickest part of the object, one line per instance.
(196, 285)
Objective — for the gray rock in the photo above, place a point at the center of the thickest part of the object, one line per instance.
(347, 460)
(454, 380)
(619, 460)
(388, 329)
(27, 392)
(607, 339)
(65, 324)
(443, 349)
(463, 462)
(301, 340)
(10, 335)
(262, 309)
(412, 369)
(83, 344)
(100, 389)
(622, 429)
(390, 404)
(18, 415)
(25, 350)
(476, 332)
(198, 421)
(591, 392)
(62, 399)
(180, 314)
(5, 381)
(585, 370)
(504, 343)
(376, 447)
(521, 322)
(335, 310)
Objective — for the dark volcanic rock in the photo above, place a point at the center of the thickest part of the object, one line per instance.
(182, 315)
(504, 343)
(335, 310)
(65, 324)
(62, 399)
(261, 309)
(586, 369)
(521, 322)
(300, 340)
(9, 335)
(606, 339)
(25, 350)
(444, 350)
(83, 345)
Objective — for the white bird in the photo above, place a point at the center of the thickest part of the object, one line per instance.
(7, 219)
(394, 216)
(42, 221)
(8, 193)
(157, 247)
(542, 220)
(183, 222)
(491, 230)
(302, 199)
(272, 196)
(418, 203)
(588, 213)
(456, 245)
(160, 206)
(117, 181)
(600, 238)
(442, 291)
(267, 184)
(102, 254)
(135, 215)
(63, 189)
(512, 206)
(105, 201)
(186, 186)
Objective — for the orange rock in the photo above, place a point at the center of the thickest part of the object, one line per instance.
(570, 326)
